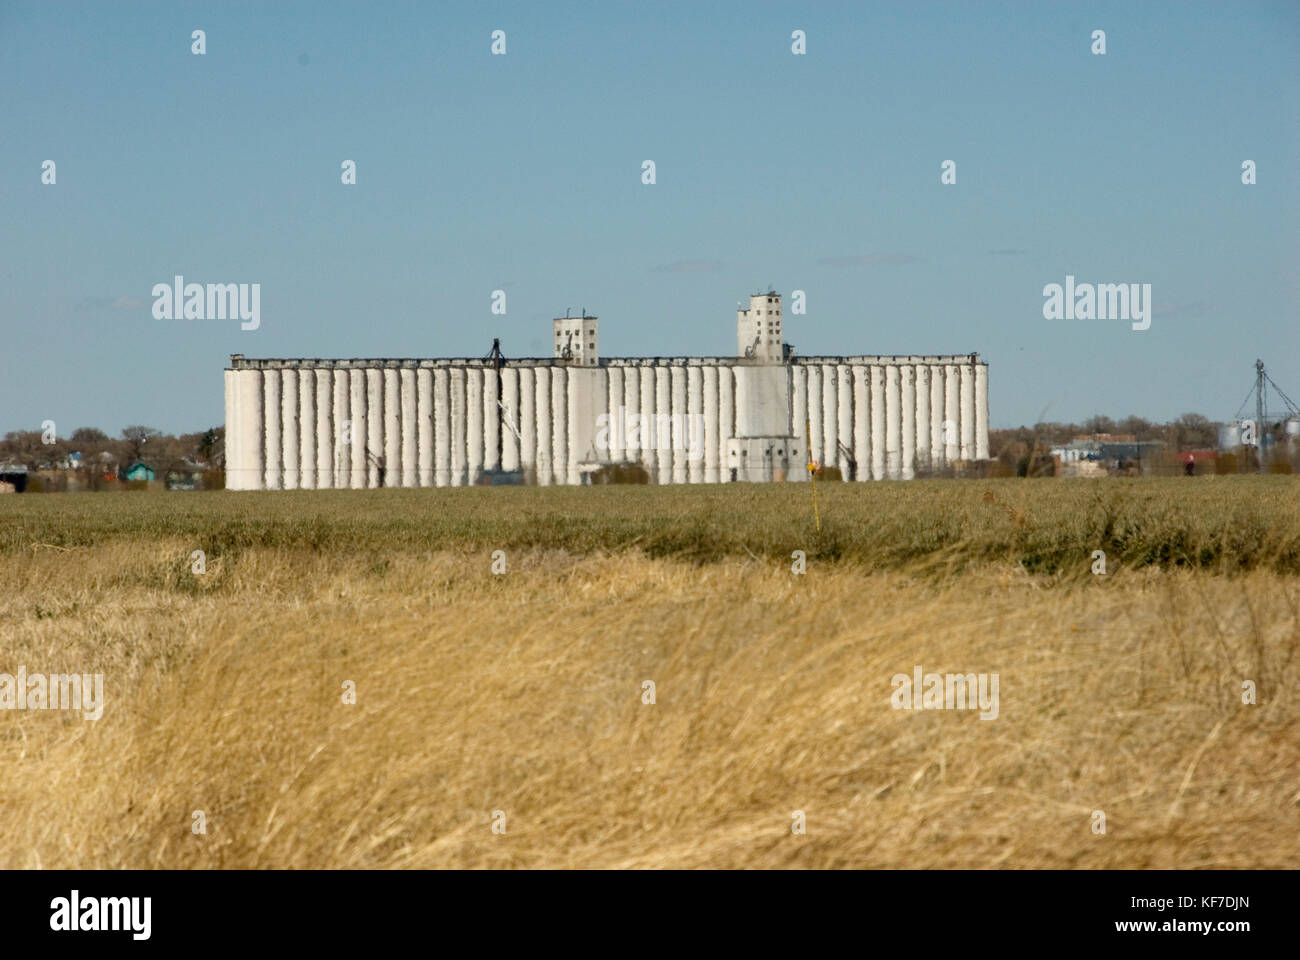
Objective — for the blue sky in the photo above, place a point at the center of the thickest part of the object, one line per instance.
(523, 172)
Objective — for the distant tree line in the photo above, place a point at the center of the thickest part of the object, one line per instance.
(1191, 431)
(136, 443)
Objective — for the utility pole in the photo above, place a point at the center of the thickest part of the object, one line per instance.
(1259, 415)
(497, 362)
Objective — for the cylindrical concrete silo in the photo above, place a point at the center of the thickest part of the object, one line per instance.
(649, 458)
(981, 412)
(424, 427)
(799, 406)
(323, 434)
(844, 408)
(510, 418)
(710, 376)
(289, 427)
(374, 438)
(817, 442)
(878, 439)
(559, 424)
(893, 424)
(357, 427)
(526, 419)
(307, 428)
(967, 411)
(694, 433)
(937, 452)
(456, 386)
(726, 417)
(542, 409)
(907, 408)
(632, 403)
(830, 416)
(662, 426)
(632, 414)
(340, 453)
(392, 440)
(615, 418)
(274, 421)
(577, 407)
(232, 432)
(492, 445)
(473, 423)
(678, 421)
(862, 421)
(409, 425)
(442, 426)
(252, 452)
(923, 416)
(951, 413)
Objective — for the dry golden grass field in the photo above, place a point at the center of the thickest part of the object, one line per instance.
(522, 692)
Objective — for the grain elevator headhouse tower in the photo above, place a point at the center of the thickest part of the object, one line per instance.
(758, 329)
(575, 340)
(760, 415)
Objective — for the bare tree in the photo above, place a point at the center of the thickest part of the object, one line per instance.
(137, 439)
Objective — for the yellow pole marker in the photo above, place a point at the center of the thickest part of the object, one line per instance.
(812, 472)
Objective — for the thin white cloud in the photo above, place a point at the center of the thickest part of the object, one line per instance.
(869, 260)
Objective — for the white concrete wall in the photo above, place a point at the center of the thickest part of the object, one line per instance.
(662, 427)
(588, 396)
(893, 424)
